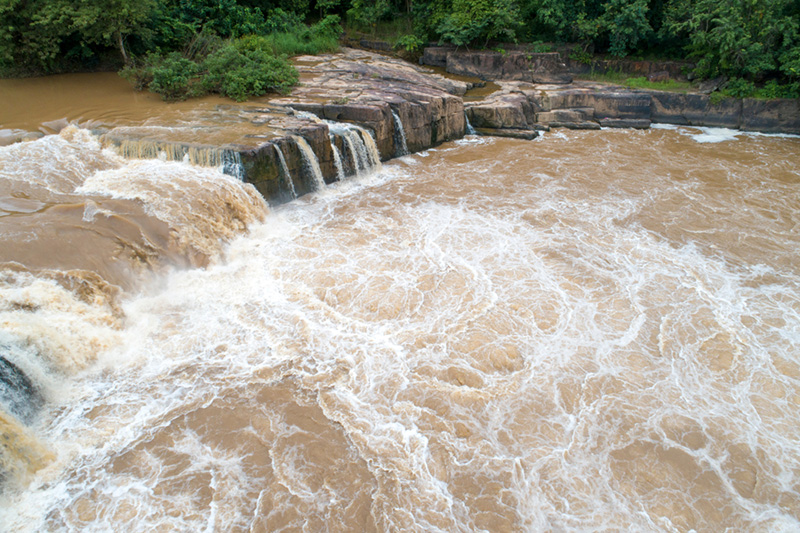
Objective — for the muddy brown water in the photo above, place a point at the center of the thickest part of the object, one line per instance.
(590, 331)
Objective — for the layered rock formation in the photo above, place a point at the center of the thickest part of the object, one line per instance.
(585, 105)
(372, 92)
(289, 146)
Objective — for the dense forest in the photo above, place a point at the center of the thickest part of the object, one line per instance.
(239, 47)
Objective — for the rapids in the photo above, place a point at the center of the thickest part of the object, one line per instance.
(590, 331)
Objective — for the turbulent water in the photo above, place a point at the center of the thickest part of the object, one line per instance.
(591, 331)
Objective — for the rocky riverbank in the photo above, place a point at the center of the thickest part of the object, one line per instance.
(356, 108)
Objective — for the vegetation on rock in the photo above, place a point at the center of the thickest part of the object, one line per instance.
(753, 43)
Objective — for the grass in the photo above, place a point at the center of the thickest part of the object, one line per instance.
(619, 78)
(305, 43)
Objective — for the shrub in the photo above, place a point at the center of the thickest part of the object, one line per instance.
(172, 76)
(773, 89)
(240, 71)
(410, 43)
(739, 88)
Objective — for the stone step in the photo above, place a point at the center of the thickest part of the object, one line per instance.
(639, 124)
(576, 114)
(527, 135)
(588, 125)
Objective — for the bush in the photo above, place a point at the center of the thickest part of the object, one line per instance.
(172, 76)
(279, 21)
(773, 89)
(238, 69)
(739, 88)
(410, 43)
(241, 70)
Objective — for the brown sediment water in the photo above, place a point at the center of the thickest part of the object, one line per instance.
(590, 331)
(103, 98)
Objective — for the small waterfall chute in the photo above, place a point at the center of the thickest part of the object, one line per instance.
(400, 143)
(311, 162)
(360, 146)
(337, 159)
(229, 161)
(470, 129)
(285, 170)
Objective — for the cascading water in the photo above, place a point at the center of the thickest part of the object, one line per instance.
(80, 225)
(285, 171)
(360, 145)
(401, 146)
(563, 347)
(337, 159)
(470, 129)
(310, 161)
(229, 161)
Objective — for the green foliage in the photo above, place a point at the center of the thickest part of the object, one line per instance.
(280, 21)
(626, 23)
(245, 68)
(739, 88)
(321, 37)
(746, 38)
(410, 43)
(717, 97)
(538, 47)
(239, 69)
(754, 40)
(173, 77)
(773, 89)
(366, 13)
(580, 55)
(480, 21)
(668, 85)
(225, 17)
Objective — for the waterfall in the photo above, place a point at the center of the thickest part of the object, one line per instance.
(311, 161)
(372, 148)
(337, 159)
(470, 129)
(285, 170)
(360, 145)
(229, 161)
(232, 164)
(401, 146)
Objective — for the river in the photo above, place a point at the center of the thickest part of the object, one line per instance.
(591, 331)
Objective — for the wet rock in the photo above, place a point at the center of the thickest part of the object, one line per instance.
(436, 56)
(527, 135)
(582, 114)
(18, 394)
(381, 46)
(695, 110)
(634, 123)
(54, 126)
(576, 125)
(771, 116)
(514, 66)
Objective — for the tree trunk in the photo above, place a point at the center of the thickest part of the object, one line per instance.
(122, 47)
